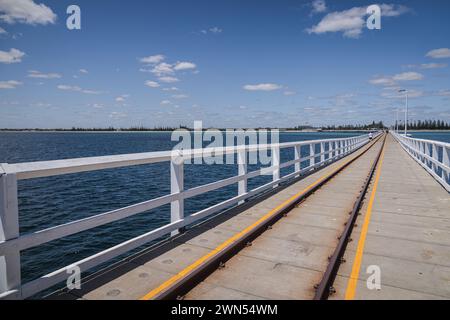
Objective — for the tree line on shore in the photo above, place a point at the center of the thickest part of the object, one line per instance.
(372, 126)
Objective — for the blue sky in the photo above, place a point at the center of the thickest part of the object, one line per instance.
(228, 63)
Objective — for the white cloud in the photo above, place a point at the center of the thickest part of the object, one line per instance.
(427, 65)
(168, 79)
(289, 93)
(184, 66)
(117, 115)
(215, 30)
(391, 81)
(445, 92)
(433, 65)
(11, 56)
(122, 98)
(352, 21)
(90, 91)
(38, 74)
(10, 84)
(3, 31)
(170, 89)
(318, 6)
(407, 76)
(25, 11)
(162, 69)
(98, 106)
(439, 53)
(66, 87)
(165, 102)
(152, 59)
(151, 84)
(76, 89)
(392, 10)
(180, 96)
(83, 71)
(262, 87)
(40, 104)
(399, 95)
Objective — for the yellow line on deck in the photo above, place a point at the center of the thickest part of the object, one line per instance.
(234, 238)
(352, 282)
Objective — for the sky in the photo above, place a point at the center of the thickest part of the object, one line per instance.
(228, 63)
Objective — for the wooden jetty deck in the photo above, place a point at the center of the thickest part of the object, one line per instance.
(406, 233)
(403, 230)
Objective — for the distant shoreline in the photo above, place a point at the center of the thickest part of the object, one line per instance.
(155, 131)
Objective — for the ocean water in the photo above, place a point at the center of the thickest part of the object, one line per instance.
(47, 202)
(439, 136)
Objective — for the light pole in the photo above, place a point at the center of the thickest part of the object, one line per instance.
(406, 109)
(396, 123)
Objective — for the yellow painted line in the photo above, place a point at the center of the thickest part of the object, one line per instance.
(352, 282)
(234, 238)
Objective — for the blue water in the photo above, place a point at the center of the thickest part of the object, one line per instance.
(47, 202)
(439, 136)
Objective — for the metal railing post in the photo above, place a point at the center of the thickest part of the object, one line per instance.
(446, 162)
(435, 156)
(422, 151)
(312, 153)
(276, 164)
(297, 156)
(430, 154)
(322, 152)
(176, 186)
(242, 171)
(10, 278)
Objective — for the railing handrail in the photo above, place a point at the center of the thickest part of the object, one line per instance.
(428, 158)
(439, 143)
(12, 242)
(39, 169)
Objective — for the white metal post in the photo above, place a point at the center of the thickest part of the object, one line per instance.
(276, 164)
(297, 156)
(312, 153)
(434, 166)
(429, 153)
(396, 123)
(446, 162)
(422, 149)
(242, 171)
(176, 186)
(9, 229)
(322, 151)
(406, 115)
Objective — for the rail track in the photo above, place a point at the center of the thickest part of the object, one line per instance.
(181, 284)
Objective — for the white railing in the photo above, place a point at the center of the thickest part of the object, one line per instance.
(12, 242)
(433, 155)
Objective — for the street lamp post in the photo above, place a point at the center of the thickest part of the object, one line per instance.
(396, 123)
(406, 109)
